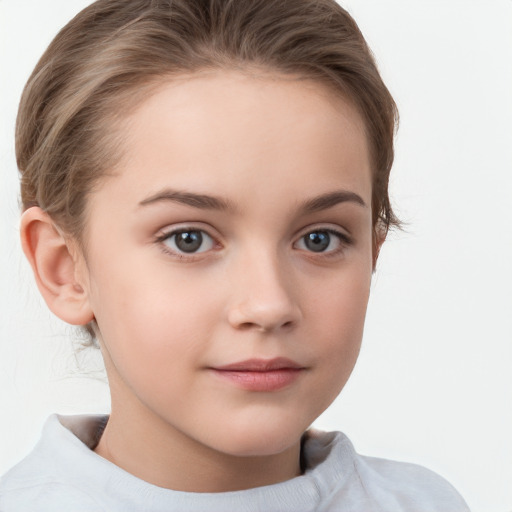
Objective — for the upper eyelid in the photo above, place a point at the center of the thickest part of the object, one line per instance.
(331, 228)
(167, 233)
(172, 229)
(343, 238)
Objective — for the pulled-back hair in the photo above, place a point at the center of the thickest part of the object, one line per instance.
(110, 57)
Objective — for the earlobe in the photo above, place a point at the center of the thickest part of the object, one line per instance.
(54, 267)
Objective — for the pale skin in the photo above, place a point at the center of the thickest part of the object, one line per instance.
(283, 159)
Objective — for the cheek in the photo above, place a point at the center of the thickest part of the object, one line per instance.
(151, 320)
(143, 296)
(340, 303)
(337, 326)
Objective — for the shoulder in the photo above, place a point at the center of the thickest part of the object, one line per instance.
(373, 484)
(41, 481)
(410, 486)
(44, 496)
(33, 484)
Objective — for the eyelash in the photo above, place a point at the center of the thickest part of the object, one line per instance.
(344, 242)
(167, 235)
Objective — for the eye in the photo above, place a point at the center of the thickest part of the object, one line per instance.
(188, 241)
(323, 241)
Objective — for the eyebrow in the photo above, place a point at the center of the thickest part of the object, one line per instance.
(325, 201)
(201, 201)
(207, 202)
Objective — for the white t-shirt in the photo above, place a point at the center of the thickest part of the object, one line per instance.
(63, 473)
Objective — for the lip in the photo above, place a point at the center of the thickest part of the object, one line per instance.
(260, 374)
(261, 365)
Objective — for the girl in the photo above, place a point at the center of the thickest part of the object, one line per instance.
(204, 187)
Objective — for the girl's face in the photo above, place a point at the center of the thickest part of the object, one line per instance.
(229, 260)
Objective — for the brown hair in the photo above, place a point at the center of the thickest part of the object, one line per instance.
(106, 60)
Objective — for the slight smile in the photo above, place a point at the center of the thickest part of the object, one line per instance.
(260, 374)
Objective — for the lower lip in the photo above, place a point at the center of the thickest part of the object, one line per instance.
(271, 380)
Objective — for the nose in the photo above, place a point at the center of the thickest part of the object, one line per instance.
(264, 296)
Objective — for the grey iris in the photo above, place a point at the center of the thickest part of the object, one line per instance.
(189, 241)
(317, 241)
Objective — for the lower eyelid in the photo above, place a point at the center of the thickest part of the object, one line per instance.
(169, 234)
(343, 242)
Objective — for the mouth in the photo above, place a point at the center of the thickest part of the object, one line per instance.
(260, 374)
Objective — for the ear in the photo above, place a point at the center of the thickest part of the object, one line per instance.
(55, 267)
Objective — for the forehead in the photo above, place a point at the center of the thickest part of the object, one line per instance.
(227, 132)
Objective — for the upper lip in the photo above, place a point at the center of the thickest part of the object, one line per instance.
(260, 365)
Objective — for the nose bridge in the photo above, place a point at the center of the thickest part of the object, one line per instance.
(263, 297)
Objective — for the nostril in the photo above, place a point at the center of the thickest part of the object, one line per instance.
(246, 326)
(264, 315)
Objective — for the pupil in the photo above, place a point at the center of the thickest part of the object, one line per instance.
(189, 241)
(318, 241)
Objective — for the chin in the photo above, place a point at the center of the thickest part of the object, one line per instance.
(259, 440)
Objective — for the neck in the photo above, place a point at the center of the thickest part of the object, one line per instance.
(152, 450)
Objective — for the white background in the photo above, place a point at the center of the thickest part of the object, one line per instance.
(434, 382)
